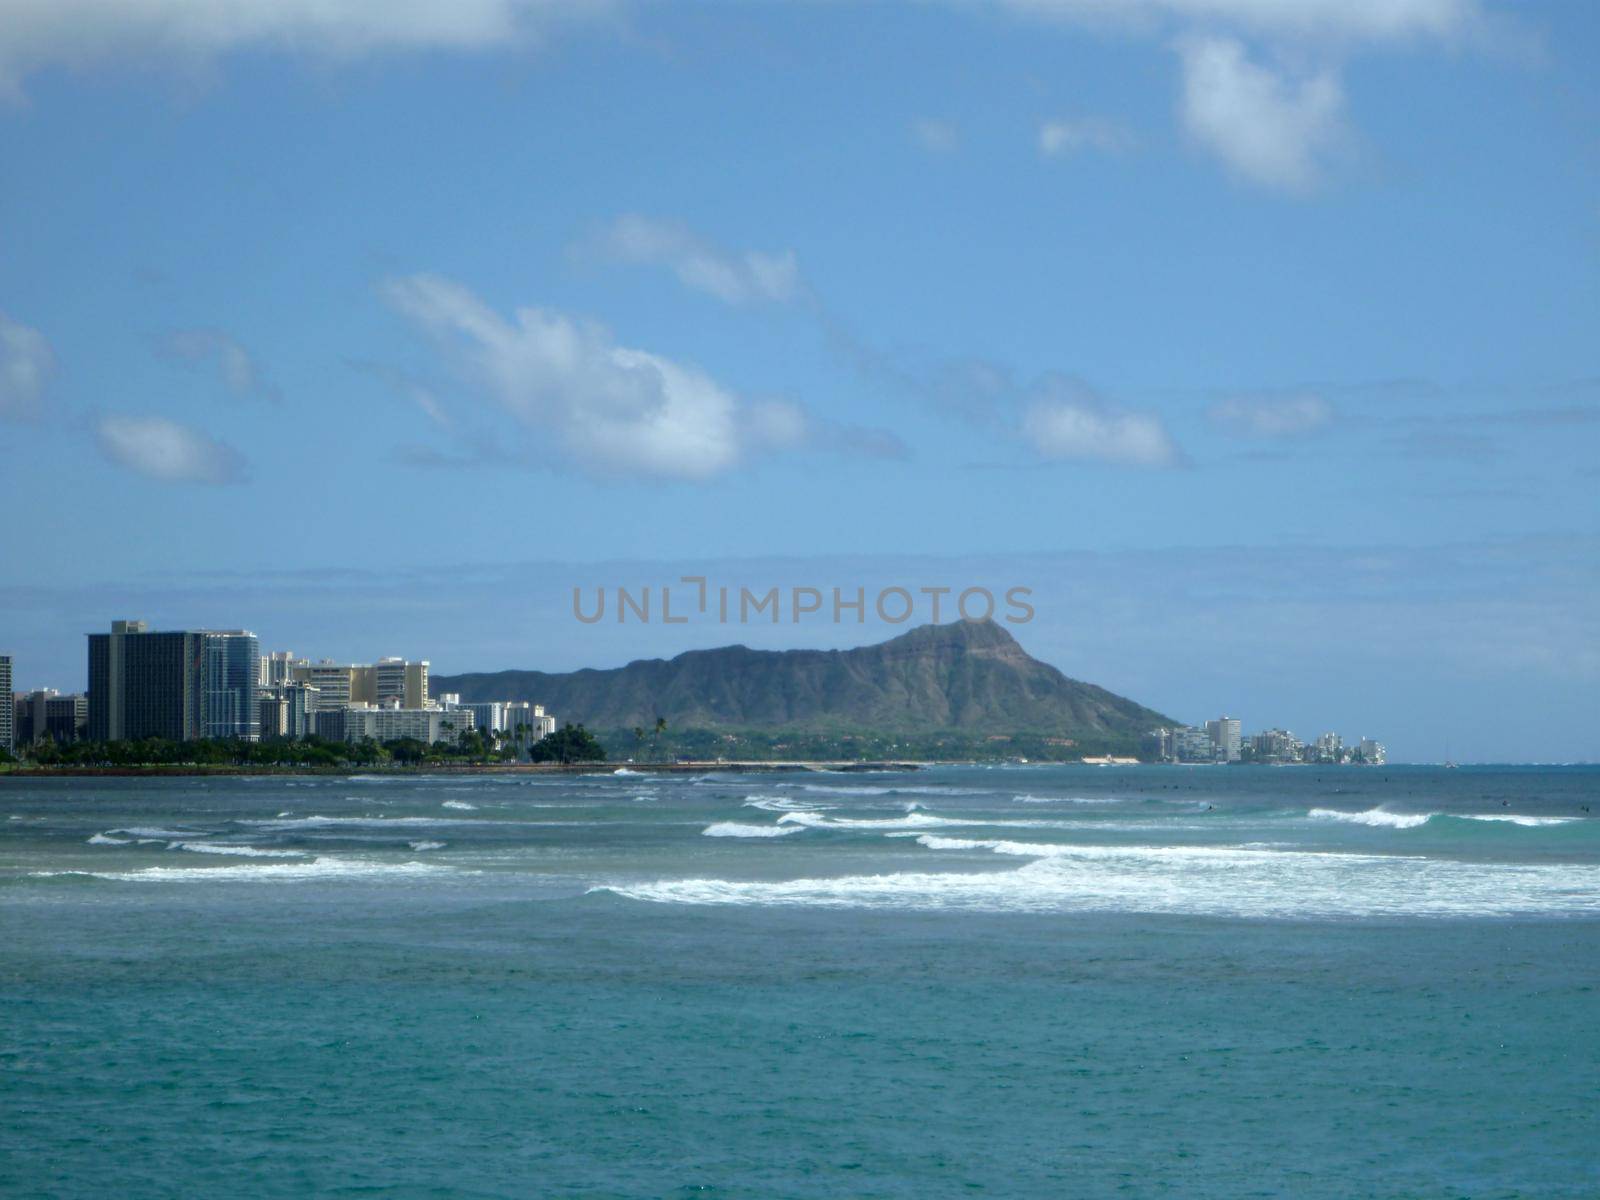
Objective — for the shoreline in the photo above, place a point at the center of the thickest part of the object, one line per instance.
(589, 768)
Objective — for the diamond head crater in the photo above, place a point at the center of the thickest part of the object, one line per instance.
(963, 690)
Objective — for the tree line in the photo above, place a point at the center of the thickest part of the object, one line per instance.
(569, 744)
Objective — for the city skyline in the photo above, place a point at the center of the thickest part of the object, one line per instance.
(1260, 348)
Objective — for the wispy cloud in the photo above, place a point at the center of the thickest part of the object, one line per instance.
(162, 449)
(26, 364)
(734, 277)
(240, 373)
(1070, 422)
(587, 402)
(1271, 414)
(936, 136)
(41, 33)
(1065, 136)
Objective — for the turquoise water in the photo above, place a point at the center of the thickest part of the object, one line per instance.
(1040, 981)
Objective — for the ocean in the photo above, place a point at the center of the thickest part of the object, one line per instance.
(1051, 981)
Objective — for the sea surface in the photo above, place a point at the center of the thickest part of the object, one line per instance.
(1013, 981)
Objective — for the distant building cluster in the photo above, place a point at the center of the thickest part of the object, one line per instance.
(1223, 741)
(182, 685)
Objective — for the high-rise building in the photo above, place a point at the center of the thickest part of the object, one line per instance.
(230, 668)
(46, 714)
(278, 667)
(179, 684)
(8, 737)
(1277, 746)
(1225, 738)
(332, 680)
(289, 711)
(144, 684)
(388, 681)
(526, 722)
(397, 679)
(1373, 752)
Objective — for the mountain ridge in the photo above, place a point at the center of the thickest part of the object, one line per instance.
(970, 679)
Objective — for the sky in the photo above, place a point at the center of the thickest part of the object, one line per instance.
(1257, 339)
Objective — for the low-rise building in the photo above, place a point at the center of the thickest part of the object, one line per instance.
(386, 724)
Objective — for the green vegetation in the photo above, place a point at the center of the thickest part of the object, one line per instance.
(569, 744)
(572, 744)
(965, 690)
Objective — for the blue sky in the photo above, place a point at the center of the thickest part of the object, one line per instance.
(1258, 338)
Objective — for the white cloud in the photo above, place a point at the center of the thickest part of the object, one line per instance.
(605, 408)
(1072, 423)
(1357, 19)
(26, 363)
(1067, 135)
(1272, 126)
(1271, 415)
(935, 136)
(37, 33)
(749, 277)
(239, 370)
(1266, 128)
(166, 450)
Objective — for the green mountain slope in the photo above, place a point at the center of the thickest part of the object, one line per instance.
(968, 682)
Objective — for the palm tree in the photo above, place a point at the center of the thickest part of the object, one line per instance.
(661, 727)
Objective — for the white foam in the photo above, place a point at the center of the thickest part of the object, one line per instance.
(912, 820)
(782, 804)
(377, 822)
(1372, 816)
(101, 839)
(459, 804)
(277, 872)
(626, 771)
(163, 835)
(421, 846)
(837, 790)
(736, 829)
(1517, 819)
(236, 851)
(1215, 881)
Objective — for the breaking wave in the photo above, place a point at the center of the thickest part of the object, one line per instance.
(236, 851)
(1178, 880)
(736, 829)
(1393, 820)
(1372, 816)
(276, 872)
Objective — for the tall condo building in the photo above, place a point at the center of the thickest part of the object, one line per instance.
(231, 666)
(180, 684)
(278, 667)
(1225, 738)
(8, 736)
(143, 684)
(397, 679)
(333, 681)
